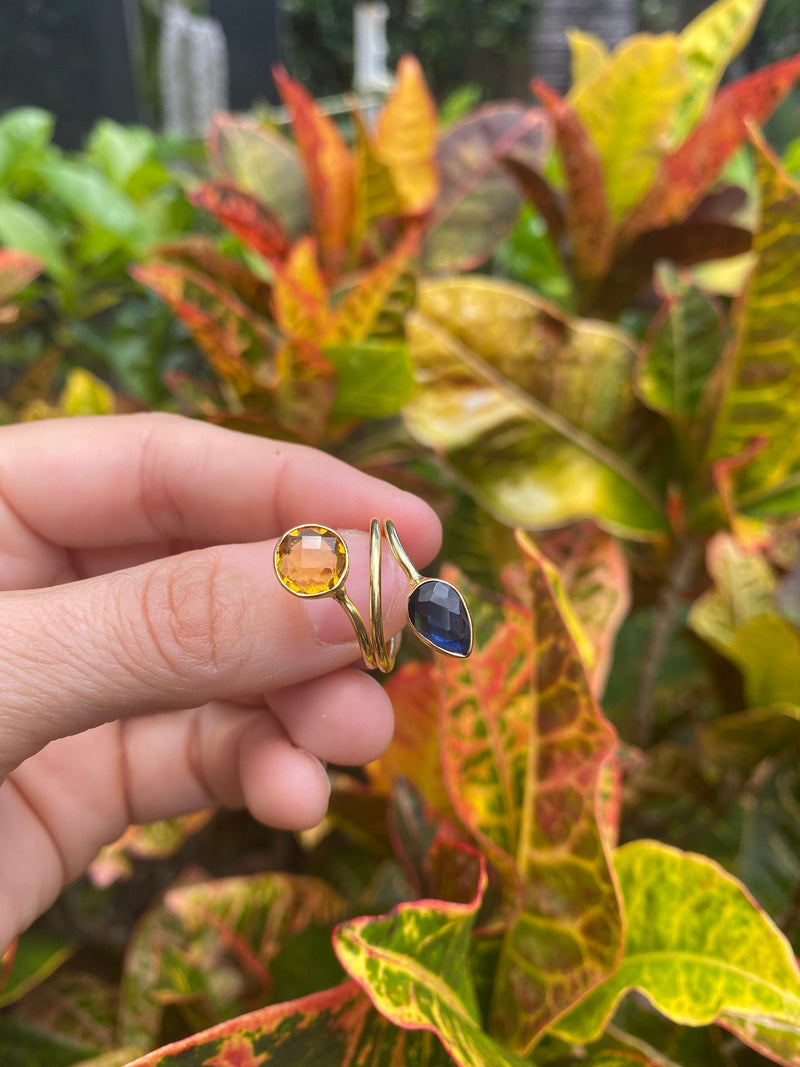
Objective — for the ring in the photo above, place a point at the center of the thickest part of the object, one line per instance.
(312, 561)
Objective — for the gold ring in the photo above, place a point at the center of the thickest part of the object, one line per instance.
(312, 561)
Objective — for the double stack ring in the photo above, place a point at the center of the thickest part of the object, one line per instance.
(312, 562)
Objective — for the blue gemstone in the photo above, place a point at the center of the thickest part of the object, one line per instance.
(438, 613)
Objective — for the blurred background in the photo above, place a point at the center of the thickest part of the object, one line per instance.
(134, 60)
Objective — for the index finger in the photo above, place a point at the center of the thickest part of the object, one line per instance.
(117, 480)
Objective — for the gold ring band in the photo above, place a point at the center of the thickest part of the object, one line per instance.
(312, 561)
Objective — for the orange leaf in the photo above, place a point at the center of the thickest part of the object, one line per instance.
(359, 311)
(300, 296)
(414, 752)
(694, 167)
(237, 343)
(329, 167)
(588, 213)
(244, 215)
(405, 138)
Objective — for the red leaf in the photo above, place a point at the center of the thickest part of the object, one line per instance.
(694, 167)
(539, 193)
(330, 169)
(587, 209)
(244, 215)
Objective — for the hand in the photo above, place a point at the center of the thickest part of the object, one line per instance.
(151, 663)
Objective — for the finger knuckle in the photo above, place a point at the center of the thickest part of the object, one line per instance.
(194, 621)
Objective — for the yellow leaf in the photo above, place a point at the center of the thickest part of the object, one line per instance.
(405, 138)
(628, 108)
(300, 295)
(588, 54)
(708, 45)
(83, 394)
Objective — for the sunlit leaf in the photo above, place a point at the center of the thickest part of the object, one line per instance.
(628, 108)
(708, 45)
(85, 394)
(301, 299)
(528, 404)
(213, 947)
(699, 948)
(245, 215)
(260, 161)
(338, 1026)
(25, 132)
(413, 964)
(763, 369)
(478, 202)
(522, 746)
(587, 209)
(588, 54)
(405, 135)
(376, 195)
(329, 168)
(693, 168)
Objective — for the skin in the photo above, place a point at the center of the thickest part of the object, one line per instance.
(152, 664)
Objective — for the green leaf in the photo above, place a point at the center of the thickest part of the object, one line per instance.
(708, 45)
(767, 652)
(120, 151)
(769, 854)
(374, 378)
(338, 1026)
(31, 959)
(760, 399)
(25, 1046)
(210, 947)
(414, 965)
(700, 949)
(25, 133)
(522, 746)
(25, 228)
(528, 404)
(94, 199)
(683, 346)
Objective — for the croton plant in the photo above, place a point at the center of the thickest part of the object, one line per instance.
(510, 883)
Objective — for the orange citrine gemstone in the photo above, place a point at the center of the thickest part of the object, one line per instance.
(311, 560)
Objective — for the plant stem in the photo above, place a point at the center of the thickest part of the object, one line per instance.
(680, 576)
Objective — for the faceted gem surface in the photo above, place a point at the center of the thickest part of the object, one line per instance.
(310, 560)
(438, 613)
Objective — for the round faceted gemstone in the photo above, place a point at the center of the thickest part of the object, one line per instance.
(311, 560)
(438, 613)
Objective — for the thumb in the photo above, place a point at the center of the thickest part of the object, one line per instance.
(214, 624)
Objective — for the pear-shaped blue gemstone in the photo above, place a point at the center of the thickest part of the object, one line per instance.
(438, 613)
